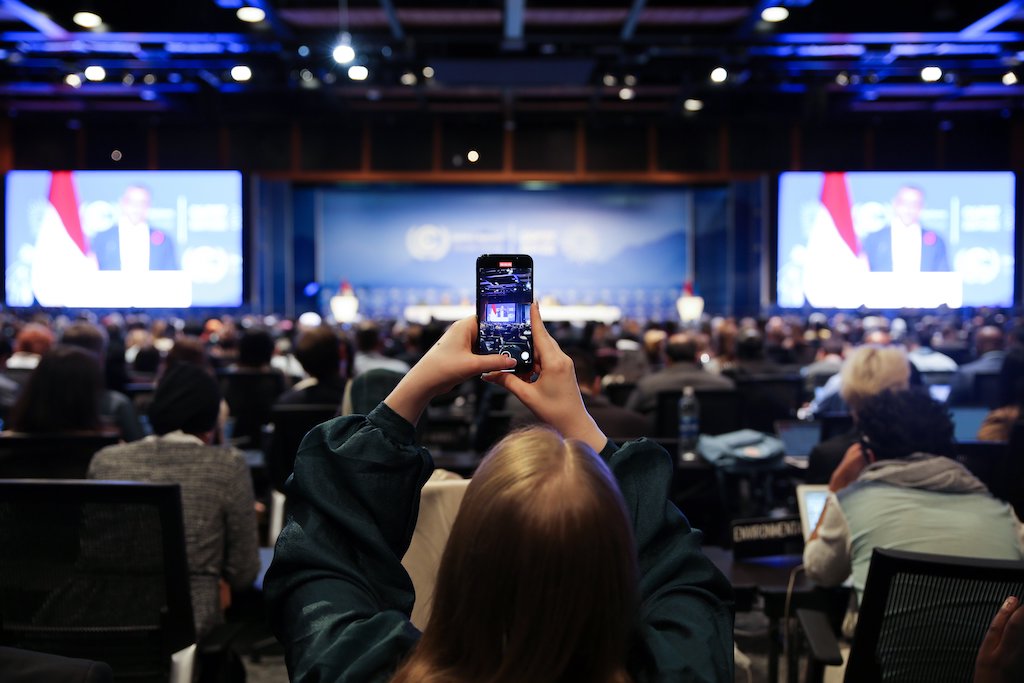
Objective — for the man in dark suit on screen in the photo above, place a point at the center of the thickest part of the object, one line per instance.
(904, 246)
(132, 245)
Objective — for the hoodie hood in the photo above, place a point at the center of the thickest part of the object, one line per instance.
(925, 472)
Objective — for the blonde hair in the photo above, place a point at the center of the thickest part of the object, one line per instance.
(539, 579)
(869, 370)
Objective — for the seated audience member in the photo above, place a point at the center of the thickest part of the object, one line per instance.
(320, 352)
(116, 409)
(565, 562)
(369, 352)
(869, 370)
(751, 358)
(61, 396)
(924, 357)
(899, 488)
(999, 423)
(31, 342)
(829, 399)
(988, 344)
(216, 488)
(681, 370)
(828, 361)
(611, 419)
(252, 387)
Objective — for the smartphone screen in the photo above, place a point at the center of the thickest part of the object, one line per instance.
(504, 292)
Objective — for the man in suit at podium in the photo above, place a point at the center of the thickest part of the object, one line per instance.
(132, 245)
(904, 246)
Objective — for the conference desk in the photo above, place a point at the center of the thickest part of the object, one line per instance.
(768, 577)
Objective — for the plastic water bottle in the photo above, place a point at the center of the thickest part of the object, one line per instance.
(689, 421)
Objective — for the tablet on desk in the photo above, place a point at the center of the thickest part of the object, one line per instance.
(811, 500)
(967, 420)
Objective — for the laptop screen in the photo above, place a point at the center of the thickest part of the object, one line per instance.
(940, 392)
(811, 501)
(967, 421)
(798, 436)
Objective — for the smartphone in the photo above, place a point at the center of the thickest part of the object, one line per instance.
(504, 292)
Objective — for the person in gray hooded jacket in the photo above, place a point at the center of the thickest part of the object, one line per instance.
(897, 488)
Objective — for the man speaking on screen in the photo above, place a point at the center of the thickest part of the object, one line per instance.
(132, 245)
(904, 246)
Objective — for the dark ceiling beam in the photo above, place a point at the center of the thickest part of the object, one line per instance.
(392, 16)
(632, 19)
(515, 13)
(34, 18)
(993, 19)
(886, 38)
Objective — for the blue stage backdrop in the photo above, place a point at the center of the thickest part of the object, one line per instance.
(402, 245)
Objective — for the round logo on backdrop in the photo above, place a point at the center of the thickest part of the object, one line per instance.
(428, 242)
(977, 265)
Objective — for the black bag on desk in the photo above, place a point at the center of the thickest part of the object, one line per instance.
(745, 445)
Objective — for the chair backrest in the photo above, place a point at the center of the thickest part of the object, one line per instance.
(45, 456)
(986, 390)
(991, 462)
(619, 392)
(763, 400)
(250, 395)
(719, 412)
(834, 424)
(96, 570)
(923, 617)
(291, 423)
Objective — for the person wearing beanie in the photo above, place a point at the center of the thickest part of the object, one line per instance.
(216, 488)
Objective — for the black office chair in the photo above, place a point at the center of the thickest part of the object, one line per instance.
(719, 412)
(922, 618)
(250, 395)
(98, 570)
(986, 391)
(834, 424)
(619, 392)
(763, 400)
(46, 456)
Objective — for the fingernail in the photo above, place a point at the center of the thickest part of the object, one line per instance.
(1010, 602)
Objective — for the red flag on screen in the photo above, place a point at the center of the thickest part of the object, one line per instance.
(64, 199)
(836, 199)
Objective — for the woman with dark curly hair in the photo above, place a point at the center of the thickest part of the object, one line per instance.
(899, 488)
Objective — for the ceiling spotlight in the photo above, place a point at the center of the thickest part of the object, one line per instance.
(116, 155)
(931, 74)
(1009, 78)
(408, 78)
(472, 156)
(343, 52)
(774, 15)
(629, 80)
(303, 50)
(609, 80)
(87, 19)
(95, 73)
(358, 72)
(241, 73)
(627, 94)
(149, 79)
(693, 105)
(306, 75)
(842, 78)
(252, 15)
(719, 75)
(74, 80)
(428, 72)
(128, 79)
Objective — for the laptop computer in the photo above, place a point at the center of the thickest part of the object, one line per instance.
(810, 498)
(967, 421)
(798, 437)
